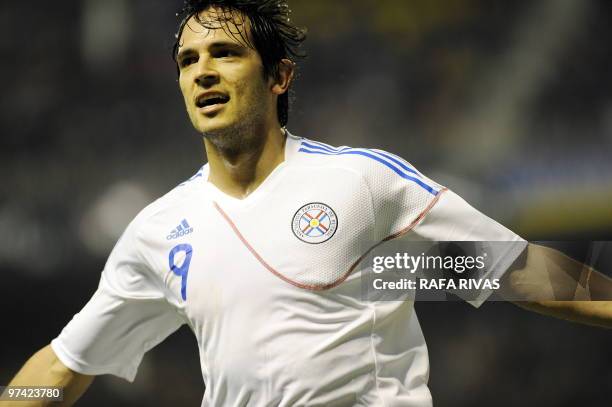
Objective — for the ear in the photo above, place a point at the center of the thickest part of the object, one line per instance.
(286, 70)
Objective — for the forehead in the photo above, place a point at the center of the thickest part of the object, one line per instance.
(216, 24)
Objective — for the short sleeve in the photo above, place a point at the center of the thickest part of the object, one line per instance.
(452, 219)
(127, 316)
(411, 207)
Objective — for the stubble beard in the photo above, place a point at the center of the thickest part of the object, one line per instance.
(244, 135)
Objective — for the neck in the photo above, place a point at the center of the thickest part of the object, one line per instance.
(238, 172)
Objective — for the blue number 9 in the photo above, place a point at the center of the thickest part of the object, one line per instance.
(183, 269)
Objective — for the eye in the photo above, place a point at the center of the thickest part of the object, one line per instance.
(188, 60)
(226, 53)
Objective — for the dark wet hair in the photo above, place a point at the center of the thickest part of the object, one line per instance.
(273, 35)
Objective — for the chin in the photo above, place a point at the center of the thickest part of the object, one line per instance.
(213, 125)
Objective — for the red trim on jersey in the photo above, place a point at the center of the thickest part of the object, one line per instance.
(416, 220)
(351, 269)
(402, 232)
(266, 265)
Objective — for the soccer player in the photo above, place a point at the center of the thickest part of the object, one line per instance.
(260, 251)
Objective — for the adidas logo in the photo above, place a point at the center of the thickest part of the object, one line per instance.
(181, 230)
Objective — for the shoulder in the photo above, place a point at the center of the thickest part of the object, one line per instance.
(174, 201)
(400, 195)
(374, 165)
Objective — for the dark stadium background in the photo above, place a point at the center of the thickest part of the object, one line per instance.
(507, 103)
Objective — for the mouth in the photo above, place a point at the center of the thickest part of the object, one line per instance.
(211, 101)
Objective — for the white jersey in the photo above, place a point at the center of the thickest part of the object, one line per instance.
(270, 284)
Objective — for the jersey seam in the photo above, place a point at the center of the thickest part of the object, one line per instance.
(372, 212)
(371, 195)
(418, 219)
(363, 180)
(373, 350)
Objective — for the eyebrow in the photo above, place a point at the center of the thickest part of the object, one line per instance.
(214, 46)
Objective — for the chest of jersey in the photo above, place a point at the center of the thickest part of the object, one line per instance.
(304, 227)
(278, 268)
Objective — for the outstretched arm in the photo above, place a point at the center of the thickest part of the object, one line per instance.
(546, 281)
(596, 313)
(45, 369)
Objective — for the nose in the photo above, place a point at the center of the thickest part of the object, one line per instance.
(207, 75)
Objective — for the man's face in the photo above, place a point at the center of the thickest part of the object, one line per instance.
(221, 79)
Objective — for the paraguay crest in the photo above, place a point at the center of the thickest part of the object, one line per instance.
(314, 223)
